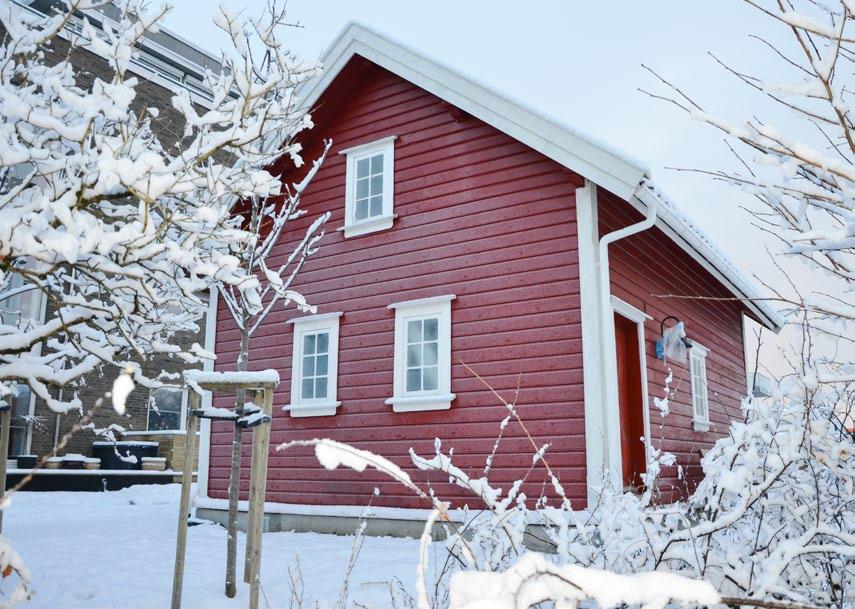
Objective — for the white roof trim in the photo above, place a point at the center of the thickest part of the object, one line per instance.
(593, 160)
(596, 161)
(691, 239)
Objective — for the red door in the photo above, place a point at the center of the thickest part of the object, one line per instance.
(630, 401)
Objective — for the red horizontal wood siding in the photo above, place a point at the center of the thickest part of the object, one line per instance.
(481, 216)
(651, 272)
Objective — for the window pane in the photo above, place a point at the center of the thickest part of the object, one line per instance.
(361, 168)
(308, 389)
(321, 387)
(376, 206)
(362, 188)
(323, 342)
(430, 352)
(321, 365)
(414, 331)
(308, 366)
(164, 411)
(19, 424)
(414, 356)
(377, 185)
(362, 209)
(308, 344)
(414, 379)
(430, 374)
(431, 328)
(377, 164)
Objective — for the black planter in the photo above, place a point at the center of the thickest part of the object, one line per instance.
(26, 461)
(106, 451)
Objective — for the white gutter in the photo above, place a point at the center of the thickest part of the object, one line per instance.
(608, 359)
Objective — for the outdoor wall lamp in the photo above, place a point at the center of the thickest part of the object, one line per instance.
(678, 328)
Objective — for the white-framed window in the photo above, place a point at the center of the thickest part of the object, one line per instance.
(369, 192)
(422, 367)
(700, 392)
(166, 408)
(314, 366)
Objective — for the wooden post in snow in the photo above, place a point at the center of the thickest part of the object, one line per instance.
(250, 515)
(234, 489)
(184, 507)
(5, 427)
(262, 434)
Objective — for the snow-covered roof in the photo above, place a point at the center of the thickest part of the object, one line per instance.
(597, 161)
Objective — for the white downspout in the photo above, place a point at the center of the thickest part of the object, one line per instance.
(608, 361)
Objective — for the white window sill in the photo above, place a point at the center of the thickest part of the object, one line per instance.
(701, 425)
(371, 225)
(421, 402)
(323, 409)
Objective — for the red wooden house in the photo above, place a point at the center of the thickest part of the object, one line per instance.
(468, 229)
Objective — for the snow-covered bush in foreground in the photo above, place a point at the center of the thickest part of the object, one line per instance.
(119, 230)
(773, 521)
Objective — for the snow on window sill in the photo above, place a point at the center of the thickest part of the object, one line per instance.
(701, 425)
(323, 409)
(421, 402)
(371, 225)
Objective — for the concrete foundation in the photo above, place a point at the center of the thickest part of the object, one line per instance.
(536, 538)
(333, 525)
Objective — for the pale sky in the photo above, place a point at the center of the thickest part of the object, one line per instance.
(580, 62)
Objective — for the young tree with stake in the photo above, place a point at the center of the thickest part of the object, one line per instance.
(119, 230)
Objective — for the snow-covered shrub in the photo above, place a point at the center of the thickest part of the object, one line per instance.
(773, 520)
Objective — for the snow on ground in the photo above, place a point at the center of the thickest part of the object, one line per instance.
(116, 550)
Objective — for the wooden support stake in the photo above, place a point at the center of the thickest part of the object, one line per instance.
(262, 434)
(184, 508)
(250, 526)
(5, 426)
(234, 490)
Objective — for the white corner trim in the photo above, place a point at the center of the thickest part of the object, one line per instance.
(421, 402)
(589, 295)
(369, 145)
(323, 409)
(630, 312)
(208, 365)
(421, 302)
(305, 319)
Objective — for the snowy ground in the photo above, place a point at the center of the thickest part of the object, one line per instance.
(116, 550)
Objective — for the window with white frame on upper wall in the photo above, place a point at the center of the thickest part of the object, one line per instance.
(700, 393)
(422, 364)
(314, 366)
(369, 192)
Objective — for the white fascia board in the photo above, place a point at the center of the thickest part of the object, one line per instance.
(686, 237)
(608, 169)
(590, 159)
